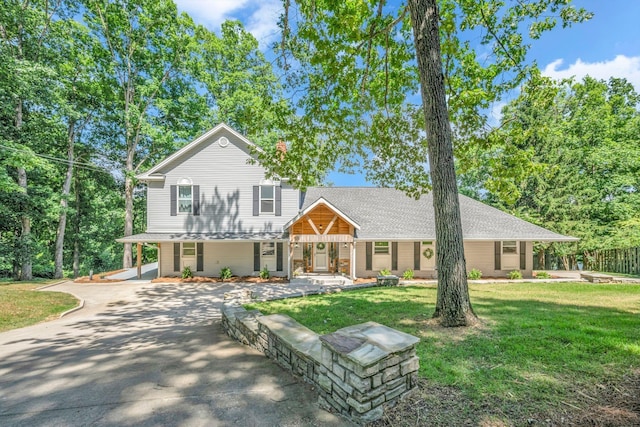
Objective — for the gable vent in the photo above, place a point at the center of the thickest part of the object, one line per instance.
(223, 141)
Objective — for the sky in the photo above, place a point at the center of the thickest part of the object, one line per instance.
(606, 46)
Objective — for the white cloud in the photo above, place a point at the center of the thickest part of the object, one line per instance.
(260, 17)
(621, 66)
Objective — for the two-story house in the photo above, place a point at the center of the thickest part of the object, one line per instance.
(209, 207)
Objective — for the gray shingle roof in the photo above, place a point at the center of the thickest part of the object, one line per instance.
(387, 213)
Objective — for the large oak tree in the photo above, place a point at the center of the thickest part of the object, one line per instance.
(387, 88)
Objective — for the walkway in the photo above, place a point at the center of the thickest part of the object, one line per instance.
(146, 354)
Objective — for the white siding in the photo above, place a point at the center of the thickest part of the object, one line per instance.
(481, 255)
(405, 257)
(478, 255)
(226, 183)
(236, 255)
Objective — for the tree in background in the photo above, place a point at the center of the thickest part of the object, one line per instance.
(567, 156)
(359, 70)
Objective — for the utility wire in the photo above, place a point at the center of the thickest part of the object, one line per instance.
(81, 165)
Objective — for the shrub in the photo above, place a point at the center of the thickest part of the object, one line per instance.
(407, 274)
(515, 274)
(187, 273)
(225, 273)
(385, 272)
(474, 274)
(543, 275)
(264, 273)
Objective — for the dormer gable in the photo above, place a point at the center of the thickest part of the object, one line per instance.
(223, 135)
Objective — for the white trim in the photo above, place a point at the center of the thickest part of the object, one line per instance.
(190, 146)
(321, 200)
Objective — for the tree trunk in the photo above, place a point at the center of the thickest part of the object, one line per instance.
(26, 271)
(128, 221)
(76, 237)
(453, 307)
(64, 203)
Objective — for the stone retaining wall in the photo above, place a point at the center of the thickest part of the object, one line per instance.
(359, 370)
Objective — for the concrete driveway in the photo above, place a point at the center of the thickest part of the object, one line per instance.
(146, 354)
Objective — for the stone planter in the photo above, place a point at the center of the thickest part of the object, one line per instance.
(390, 280)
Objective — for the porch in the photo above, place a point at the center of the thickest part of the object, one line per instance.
(321, 241)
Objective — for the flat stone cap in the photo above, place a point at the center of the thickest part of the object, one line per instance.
(300, 338)
(368, 343)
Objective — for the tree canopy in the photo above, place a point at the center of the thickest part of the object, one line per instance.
(567, 156)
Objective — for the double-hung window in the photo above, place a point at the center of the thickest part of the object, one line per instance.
(509, 247)
(380, 248)
(267, 199)
(185, 199)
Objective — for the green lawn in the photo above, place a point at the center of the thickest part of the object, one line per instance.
(21, 305)
(540, 346)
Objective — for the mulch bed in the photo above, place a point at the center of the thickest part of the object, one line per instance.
(235, 279)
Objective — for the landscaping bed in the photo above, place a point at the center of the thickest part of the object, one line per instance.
(543, 353)
(234, 279)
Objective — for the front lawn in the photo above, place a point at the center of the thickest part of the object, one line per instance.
(21, 305)
(563, 352)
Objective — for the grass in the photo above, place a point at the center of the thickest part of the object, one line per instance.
(22, 305)
(540, 347)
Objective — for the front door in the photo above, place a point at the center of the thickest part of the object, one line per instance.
(321, 257)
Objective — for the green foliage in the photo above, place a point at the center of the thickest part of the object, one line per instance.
(514, 274)
(187, 273)
(384, 272)
(542, 275)
(264, 273)
(120, 84)
(357, 64)
(474, 274)
(566, 157)
(225, 273)
(407, 274)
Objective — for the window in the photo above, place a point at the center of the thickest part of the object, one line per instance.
(185, 201)
(268, 249)
(509, 247)
(381, 248)
(188, 249)
(267, 199)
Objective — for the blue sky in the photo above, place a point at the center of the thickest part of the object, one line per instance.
(607, 45)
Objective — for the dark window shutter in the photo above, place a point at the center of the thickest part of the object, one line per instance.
(498, 255)
(256, 200)
(278, 201)
(416, 255)
(174, 200)
(200, 256)
(176, 257)
(394, 255)
(256, 256)
(196, 201)
(279, 256)
(523, 255)
(369, 263)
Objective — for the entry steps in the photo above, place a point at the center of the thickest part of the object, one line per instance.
(321, 280)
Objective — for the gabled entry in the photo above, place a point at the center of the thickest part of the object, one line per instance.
(321, 239)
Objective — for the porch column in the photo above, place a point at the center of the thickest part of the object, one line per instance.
(290, 260)
(159, 259)
(139, 261)
(352, 258)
